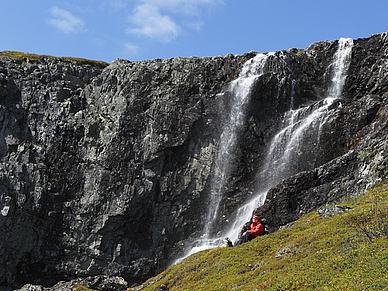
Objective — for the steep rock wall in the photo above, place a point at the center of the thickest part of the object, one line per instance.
(103, 171)
(107, 171)
(355, 137)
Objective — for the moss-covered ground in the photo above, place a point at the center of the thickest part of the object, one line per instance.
(37, 58)
(82, 288)
(344, 251)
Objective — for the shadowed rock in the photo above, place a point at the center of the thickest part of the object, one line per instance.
(107, 171)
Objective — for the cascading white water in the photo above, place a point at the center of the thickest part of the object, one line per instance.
(339, 67)
(285, 153)
(240, 91)
(288, 153)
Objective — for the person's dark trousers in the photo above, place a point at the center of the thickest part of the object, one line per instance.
(245, 238)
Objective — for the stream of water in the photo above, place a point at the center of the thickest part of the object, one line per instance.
(286, 154)
(240, 91)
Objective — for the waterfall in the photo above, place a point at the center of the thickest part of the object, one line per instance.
(292, 149)
(339, 67)
(240, 91)
(287, 153)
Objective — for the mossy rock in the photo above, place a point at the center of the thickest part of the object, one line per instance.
(38, 58)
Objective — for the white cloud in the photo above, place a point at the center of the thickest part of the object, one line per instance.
(164, 20)
(183, 6)
(196, 25)
(131, 49)
(151, 23)
(116, 5)
(65, 21)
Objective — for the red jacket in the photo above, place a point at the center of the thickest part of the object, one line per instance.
(256, 228)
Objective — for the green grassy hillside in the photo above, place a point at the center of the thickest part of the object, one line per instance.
(342, 251)
(37, 58)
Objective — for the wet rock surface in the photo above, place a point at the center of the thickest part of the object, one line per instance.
(358, 140)
(105, 172)
(103, 283)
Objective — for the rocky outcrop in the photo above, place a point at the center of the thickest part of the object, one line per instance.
(358, 133)
(106, 171)
(103, 171)
(103, 283)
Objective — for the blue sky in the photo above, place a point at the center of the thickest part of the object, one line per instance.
(148, 29)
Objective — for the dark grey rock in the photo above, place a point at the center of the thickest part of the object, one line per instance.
(106, 172)
(326, 212)
(101, 283)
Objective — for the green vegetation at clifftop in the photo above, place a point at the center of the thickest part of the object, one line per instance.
(343, 251)
(37, 58)
(82, 288)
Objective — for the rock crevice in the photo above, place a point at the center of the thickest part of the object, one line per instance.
(107, 171)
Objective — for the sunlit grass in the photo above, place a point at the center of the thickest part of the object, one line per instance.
(33, 57)
(82, 288)
(315, 253)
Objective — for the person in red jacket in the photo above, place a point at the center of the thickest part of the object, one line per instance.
(256, 229)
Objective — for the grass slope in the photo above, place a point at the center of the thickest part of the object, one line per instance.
(37, 58)
(344, 251)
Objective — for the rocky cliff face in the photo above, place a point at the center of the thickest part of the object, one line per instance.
(107, 171)
(103, 171)
(355, 154)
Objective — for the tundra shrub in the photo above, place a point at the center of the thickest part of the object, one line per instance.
(372, 223)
